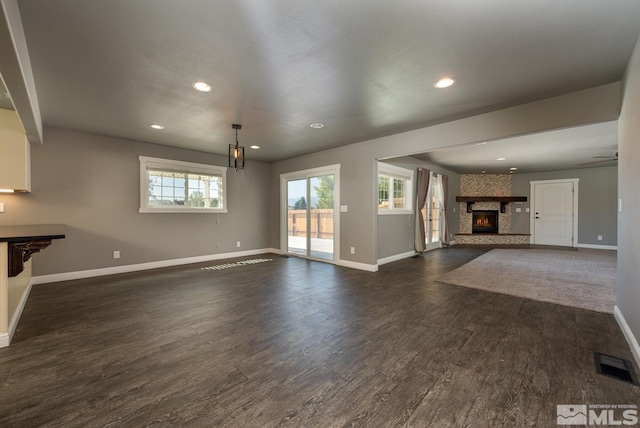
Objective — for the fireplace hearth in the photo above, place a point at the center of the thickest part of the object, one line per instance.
(484, 221)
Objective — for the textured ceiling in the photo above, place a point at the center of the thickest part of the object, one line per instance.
(364, 68)
(570, 148)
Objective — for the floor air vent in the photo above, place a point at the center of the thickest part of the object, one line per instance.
(236, 264)
(614, 367)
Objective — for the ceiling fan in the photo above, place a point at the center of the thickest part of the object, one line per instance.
(604, 159)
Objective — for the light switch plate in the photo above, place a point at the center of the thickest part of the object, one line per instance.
(344, 208)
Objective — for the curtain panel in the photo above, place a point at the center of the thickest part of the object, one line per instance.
(421, 199)
(443, 181)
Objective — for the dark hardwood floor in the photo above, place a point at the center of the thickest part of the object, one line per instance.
(296, 343)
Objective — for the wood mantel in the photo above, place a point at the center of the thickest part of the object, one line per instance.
(504, 200)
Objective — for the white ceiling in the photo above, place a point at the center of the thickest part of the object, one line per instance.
(364, 68)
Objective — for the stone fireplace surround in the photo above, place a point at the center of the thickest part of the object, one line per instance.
(497, 185)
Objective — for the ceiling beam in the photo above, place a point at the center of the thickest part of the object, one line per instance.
(15, 69)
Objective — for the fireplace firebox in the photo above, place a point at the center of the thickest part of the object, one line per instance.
(484, 221)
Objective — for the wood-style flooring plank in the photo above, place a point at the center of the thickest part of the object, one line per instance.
(300, 344)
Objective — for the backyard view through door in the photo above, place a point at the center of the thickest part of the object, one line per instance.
(310, 216)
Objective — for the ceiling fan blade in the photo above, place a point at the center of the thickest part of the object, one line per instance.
(600, 161)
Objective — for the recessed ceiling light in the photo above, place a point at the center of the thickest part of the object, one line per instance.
(317, 125)
(202, 86)
(254, 147)
(501, 159)
(156, 126)
(444, 83)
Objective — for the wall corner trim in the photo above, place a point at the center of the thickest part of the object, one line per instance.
(356, 265)
(68, 276)
(628, 334)
(18, 313)
(396, 257)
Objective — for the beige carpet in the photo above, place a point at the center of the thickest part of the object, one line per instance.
(582, 279)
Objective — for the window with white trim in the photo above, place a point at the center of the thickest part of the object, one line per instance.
(395, 186)
(168, 186)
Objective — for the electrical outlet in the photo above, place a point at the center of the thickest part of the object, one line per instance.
(116, 254)
(238, 244)
(599, 237)
(353, 250)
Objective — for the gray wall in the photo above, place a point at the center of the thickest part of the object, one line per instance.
(597, 202)
(396, 232)
(358, 172)
(628, 296)
(91, 184)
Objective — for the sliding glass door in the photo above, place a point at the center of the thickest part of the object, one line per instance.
(297, 217)
(310, 211)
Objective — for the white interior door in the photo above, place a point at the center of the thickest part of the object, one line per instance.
(553, 209)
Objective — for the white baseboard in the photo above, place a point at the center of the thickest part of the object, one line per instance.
(68, 276)
(395, 258)
(357, 265)
(4, 340)
(628, 334)
(597, 247)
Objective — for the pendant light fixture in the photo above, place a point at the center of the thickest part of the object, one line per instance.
(236, 152)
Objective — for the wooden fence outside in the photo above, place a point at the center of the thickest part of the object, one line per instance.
(321, 222)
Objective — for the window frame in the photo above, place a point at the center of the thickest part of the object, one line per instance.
(187, 168)
(395, 173)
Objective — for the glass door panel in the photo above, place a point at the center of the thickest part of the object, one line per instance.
(297, 216)
(321, 216)
(431, 213)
